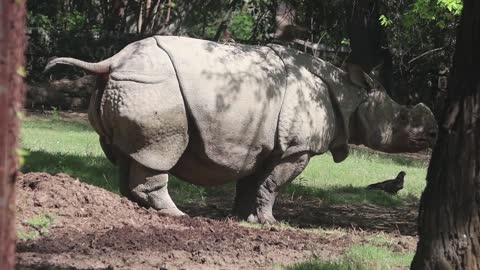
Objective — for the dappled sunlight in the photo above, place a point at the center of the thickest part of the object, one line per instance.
(308, 211)
(233, 97)
(312, 213)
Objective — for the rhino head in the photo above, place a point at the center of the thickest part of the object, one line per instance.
(363, 111)
(382, 124)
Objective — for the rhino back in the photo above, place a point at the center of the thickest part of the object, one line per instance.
(233, 95)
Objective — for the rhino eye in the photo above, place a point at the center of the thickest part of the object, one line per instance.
(403, 117)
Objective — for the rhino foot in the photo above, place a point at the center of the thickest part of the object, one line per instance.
(149, 188)
(256, 195)
(175, 212)
(156, 197)
(263, 217)
(253, 202)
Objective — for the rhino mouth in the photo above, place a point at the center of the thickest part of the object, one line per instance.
(421, 140)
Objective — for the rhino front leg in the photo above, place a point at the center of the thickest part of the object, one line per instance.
(149, 188)
(258, 208)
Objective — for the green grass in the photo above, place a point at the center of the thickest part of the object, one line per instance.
(41, 222)
(72, 147)
(376, 254)
(27, 235)
(345, 182)
(361, 257)
(375, 257)
(37, 225)
(322, 265)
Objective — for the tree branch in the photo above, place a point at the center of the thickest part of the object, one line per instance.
(424, 54)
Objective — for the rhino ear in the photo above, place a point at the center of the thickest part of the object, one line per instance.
(357, 75)
(360, 78)
(373, 84)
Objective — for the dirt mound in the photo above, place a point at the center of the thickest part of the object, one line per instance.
(92, 228)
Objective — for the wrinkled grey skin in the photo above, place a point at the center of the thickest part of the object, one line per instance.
(212, 113)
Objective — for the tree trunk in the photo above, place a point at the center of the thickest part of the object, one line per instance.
(449, 218)
(12, 41)
(365, 34)
(367, 37)
(115, 17)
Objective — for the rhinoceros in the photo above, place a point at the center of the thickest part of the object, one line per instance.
(211, 113)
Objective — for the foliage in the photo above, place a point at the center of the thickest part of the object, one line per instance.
(420, 33)
(454, 6)
(75, 21)
(442, 12)
(420, 37)
(242, 26)
(384, 21)
(39, 20)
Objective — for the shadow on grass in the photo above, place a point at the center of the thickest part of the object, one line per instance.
(97, 171)
(420, 160)
(342, 206)
(347, 195)
(347, 207)
(311, 212)
(100, 172)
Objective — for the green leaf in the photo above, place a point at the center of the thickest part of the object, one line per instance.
(384, 21)
(21, 71)
(22, 153)
(454, 6)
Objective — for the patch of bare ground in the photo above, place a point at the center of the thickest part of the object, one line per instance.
(96, 229)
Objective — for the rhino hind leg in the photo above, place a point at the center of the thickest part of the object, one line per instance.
(149, 188)
(246, 192)
(255, 196)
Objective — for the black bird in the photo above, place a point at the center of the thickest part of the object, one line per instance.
(390, 186)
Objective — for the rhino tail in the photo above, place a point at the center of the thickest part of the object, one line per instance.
(97, 68)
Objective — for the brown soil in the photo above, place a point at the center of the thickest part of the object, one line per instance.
(96, 229)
